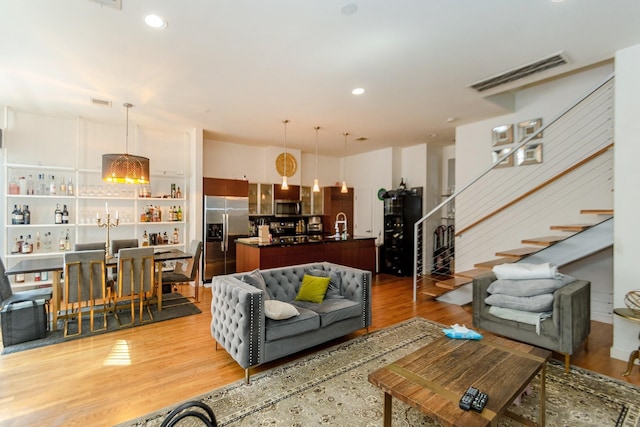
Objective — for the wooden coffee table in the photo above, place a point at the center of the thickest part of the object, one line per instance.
(434, 378)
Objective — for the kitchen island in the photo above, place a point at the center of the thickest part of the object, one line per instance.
(358, 252)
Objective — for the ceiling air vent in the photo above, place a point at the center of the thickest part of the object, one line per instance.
(521, 72)
(100, 102)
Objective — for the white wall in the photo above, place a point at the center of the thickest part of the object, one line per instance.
(257, 164)
(626, 203)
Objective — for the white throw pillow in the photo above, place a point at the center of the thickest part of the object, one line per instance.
(279, 310)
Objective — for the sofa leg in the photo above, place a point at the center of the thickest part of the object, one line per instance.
(586, 344)
(247, 376)
(567, 363)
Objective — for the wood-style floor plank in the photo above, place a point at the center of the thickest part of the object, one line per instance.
(108, 379)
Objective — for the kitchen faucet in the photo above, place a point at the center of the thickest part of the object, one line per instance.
(341, 218)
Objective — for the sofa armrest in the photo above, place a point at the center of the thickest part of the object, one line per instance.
(356, 286)
(237, 319)
(480, 286)
(572, 314)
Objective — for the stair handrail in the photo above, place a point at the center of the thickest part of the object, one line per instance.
(500, 159)
(536, 188)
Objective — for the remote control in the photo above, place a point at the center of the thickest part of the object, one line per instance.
(479, 401)
(468, 398)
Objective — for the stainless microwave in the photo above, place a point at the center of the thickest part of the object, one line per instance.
(288, 208)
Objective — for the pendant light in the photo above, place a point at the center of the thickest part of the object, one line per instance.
(344, 188)
(125, 168)
(284, 185)
(316, 187)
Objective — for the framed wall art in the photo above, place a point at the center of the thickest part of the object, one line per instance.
(502, 135)
(528, 128)
(497, 154)
(530, 154)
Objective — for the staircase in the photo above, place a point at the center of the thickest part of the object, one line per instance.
(503, 203)
(564, 251)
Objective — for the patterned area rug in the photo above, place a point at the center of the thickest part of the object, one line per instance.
(330, 388)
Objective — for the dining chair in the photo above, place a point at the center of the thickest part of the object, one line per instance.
(186, 271)
(84, 284)
(116, 245)
(7, 296)
(135, 280)
(92, 246)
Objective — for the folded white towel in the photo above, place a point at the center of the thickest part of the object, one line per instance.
(520, 316)
(527, 271)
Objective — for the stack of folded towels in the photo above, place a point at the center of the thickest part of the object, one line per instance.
(524, 292)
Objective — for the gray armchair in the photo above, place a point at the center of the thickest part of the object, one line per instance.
(564, 332)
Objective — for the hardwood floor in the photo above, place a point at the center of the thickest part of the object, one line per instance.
(111, 378)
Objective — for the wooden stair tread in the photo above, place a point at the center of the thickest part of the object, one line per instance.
(597, 211)
(433, 291)
(453, 283)
(488, 265)
(543, 241)
(472, 274)
(518, 252)
(571, 227)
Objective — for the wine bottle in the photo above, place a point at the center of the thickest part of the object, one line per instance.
(65, 215)
(26, 215)
(52, 186)
(58, 215)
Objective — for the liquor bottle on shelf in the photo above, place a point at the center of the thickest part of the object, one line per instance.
(52, 186)
(65, 215)
(22, 185)
(14, 212)
(16, 246)
(42, 186)
(19, 216)
(165, 238)
(19, 278)
(38, 243)
(145, 239)
(58, 215)
(63, 188)
(179, 212)
(26, 215)
(178, 193)
(27, 247)
(47, 241)
(13, 186)
(70, 190)
(62, 241)
(30, 188)
(176, 237)
(67, 241)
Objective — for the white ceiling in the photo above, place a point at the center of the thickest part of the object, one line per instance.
(237, 68)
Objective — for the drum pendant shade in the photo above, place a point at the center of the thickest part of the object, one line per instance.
(125, 168)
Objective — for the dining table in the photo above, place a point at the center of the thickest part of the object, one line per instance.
(55, 266)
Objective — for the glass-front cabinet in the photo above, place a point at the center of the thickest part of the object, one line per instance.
(266, 199)
(306, 199)
(253, 199)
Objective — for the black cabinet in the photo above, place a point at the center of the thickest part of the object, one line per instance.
(402, 209)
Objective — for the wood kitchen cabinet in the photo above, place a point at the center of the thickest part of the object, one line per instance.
(335, 202)
(225, 187)
(293, 193)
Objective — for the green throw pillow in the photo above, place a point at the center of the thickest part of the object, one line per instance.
(313, 289)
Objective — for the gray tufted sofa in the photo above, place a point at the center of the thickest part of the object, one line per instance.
(239, 324)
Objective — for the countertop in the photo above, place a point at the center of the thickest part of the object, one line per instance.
(297, 240)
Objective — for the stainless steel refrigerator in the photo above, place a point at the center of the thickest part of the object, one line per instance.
(226, 219)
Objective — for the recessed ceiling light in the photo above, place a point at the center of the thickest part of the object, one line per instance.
(155, 21)
(358, 91)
